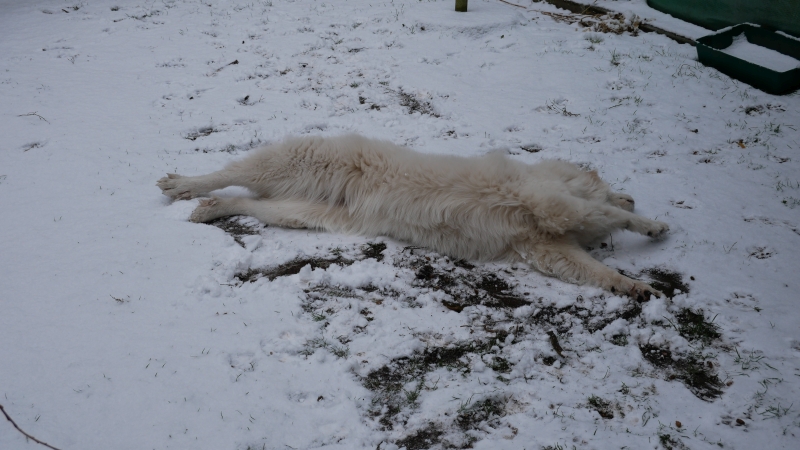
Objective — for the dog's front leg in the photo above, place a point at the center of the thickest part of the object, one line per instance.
(609, 218)
(567, 261)
(180, 187)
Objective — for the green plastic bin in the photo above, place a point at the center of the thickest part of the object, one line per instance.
(709, 51)
(782, 15)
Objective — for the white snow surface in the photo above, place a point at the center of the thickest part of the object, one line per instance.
(124, 326)
(765, 57)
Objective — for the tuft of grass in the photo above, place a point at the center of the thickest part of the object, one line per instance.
(603, 407)
(671, 443)
(413, 105)
(388, 382)
(500, 365)
(559, 108)
(619, 340)
(471, 416)
(151, 13)
(775, 412)
(558, 446)
(748, 362)
(594, 38)
(340, 351)
(312, 345)
(422, 439)
(615, 58)
(791, 202)
(413, 395)
(694, 327)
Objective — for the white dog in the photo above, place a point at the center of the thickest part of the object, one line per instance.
(486, 208)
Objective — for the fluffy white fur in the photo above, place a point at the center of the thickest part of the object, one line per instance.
(486, 208)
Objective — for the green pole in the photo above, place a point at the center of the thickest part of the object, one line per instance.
(461, 5)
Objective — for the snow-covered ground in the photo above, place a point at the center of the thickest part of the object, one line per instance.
(124, 326)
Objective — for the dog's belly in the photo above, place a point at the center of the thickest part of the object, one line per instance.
(457, 239)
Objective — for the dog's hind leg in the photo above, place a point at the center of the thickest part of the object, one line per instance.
(183, 188)
(282, 213)
(565, 260)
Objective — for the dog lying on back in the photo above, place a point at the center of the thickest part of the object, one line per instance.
(485, 208)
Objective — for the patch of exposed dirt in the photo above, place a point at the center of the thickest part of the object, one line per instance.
(238, 226)
(531, 148)
(695, 371)
(605, 408)
(374, 250)
(397, 386)
(422, 439)
(666, 281)
(291, 268)
(466, 285)
(201, 132)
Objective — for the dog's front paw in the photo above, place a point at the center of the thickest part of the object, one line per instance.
(657, 229)
(635, 289)
(641, 291)
(205, 211)
(647, 227)
(623, 201)
(173, 185)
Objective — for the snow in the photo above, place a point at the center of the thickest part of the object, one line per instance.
(765, 57)
(125, 326)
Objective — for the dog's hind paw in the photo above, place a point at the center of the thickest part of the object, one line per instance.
(173, 185)
(205, 211)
